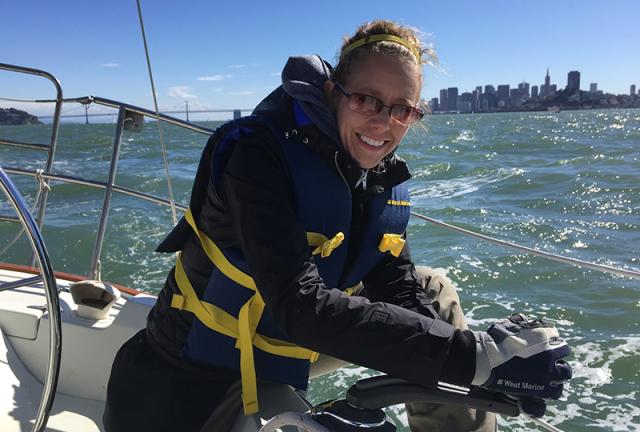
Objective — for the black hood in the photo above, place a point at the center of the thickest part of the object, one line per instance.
(303, 78)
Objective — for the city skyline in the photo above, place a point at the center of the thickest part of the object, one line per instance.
(582, 88)
(504, 96)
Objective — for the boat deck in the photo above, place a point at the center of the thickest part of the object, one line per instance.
(88, 348)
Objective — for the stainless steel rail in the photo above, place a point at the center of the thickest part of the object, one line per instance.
(24, 144)
(55, 128)
(110, 185)
(51, 292)
(543, 254)
(94, 184)
(102, 226)
(145, 112)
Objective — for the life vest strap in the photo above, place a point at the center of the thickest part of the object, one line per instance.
(324, 245)
(217, 257)
(243, 329)
(393, 243)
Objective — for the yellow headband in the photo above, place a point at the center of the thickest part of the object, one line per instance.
(382, 37)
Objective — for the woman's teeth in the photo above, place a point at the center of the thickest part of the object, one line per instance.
(371, 141)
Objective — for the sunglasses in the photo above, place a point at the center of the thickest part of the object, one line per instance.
(371, 105)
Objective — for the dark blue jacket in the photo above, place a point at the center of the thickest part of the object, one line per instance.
(392, 327)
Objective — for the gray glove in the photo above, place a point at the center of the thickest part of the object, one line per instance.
(523, 358)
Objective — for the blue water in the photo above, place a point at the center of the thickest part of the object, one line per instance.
(566, 183)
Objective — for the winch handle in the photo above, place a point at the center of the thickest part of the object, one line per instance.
(383, 391)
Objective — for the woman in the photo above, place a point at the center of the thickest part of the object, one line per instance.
(294, 244)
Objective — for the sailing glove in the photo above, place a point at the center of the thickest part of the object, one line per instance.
(522, 358)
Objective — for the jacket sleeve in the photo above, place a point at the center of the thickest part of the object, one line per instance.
(256, 188)
(394, 280)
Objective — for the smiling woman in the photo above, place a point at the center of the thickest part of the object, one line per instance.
(293, 254)
(371, 127)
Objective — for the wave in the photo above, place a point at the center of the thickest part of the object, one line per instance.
(452, 188)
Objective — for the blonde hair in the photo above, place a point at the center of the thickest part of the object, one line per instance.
(410, 49)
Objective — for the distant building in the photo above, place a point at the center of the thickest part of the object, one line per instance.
(489, 89)
(488, 101)
(534, 92)
(573, 81)
(553, 89)
(517, 97)
(452, 99)
(444, 98)
(632, 90)
(466, 102)
(503, 95)
(433, 105)
(524, 88)
(464, 107)
(475, 105)
(593, 88)
(545, 89)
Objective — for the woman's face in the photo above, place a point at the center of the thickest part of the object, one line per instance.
(368, 139)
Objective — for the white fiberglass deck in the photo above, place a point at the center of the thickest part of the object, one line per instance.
(88, 348)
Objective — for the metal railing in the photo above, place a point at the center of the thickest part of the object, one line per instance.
(127, 115)
(53, 303)
(55, 128)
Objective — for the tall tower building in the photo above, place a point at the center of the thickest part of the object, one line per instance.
(489, 89)
(452, 102)
(524, 88)
(547, 85)
(444, 98)
(503, 95)
(573, 81)
(475, 105)
(434, 105)
(593, 87)
(534, 92)
(632, 90)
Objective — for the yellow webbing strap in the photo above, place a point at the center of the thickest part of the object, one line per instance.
(242, 329)
(324, 245)
(352, 290)
(247, 364)
(217, 257)
(392, 243)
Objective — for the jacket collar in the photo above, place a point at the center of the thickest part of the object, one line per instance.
(391, 171)
(287, 113)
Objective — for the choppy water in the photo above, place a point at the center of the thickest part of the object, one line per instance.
(567, 183)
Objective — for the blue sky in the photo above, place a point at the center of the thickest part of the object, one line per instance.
(229, 54)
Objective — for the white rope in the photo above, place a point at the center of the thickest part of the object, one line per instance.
(42, 185)
(174, 213)
(554, 257)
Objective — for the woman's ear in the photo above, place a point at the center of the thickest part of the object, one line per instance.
(329, 86)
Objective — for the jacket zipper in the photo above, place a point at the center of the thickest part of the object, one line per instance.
(335, 159)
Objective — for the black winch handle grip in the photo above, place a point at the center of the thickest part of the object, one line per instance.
(383, 391)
